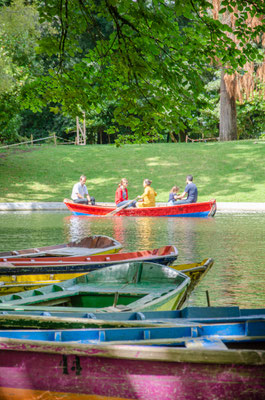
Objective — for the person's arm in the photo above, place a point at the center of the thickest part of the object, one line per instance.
(181, 196)
(79, 195)
(86, 193)
(142, 195)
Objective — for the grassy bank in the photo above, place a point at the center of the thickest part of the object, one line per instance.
(229, 171)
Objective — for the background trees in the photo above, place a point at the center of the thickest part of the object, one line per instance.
(245, 82)
(19, 31)
(141, 70)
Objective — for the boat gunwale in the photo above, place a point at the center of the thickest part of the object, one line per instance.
(143, 353)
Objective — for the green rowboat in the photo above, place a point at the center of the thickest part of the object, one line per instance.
(124, 287)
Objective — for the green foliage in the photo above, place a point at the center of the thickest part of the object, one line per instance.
(18, 35)
(19, 31)
(9, 119)
(138, 69)
(251, 117)
(40, 124)
(148, 56)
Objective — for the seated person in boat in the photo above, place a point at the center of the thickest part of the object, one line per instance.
(80, 194)
(190, 191)
(121, 195)
(173, 196)
(147, 199)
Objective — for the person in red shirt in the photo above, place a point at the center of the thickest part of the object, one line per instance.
(121, 195)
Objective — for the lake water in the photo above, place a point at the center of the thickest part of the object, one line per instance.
(235, 241)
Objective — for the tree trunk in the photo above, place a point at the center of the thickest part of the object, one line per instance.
(228, 118)
(100, 136)
(172, 137)
(182, 136)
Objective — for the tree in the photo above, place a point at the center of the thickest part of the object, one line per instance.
(19, 30)
(147, 55)
(243, 82)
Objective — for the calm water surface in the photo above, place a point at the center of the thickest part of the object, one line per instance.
(235, 241)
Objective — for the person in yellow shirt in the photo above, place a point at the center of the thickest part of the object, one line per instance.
(147, 199)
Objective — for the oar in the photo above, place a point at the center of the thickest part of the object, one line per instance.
(120, 208)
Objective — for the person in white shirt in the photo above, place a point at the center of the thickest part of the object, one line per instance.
(80, 194)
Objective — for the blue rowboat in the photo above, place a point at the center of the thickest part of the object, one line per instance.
(30, 317)
(188, 335)
(223, 358)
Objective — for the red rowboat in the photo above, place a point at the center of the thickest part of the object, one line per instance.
(165, 255)
(205, 209)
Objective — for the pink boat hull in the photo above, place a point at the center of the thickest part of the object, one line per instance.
(41, 371)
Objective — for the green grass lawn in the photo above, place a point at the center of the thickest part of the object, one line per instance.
(227, 171)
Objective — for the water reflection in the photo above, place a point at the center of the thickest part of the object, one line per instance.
(76, 228)
(236, 242)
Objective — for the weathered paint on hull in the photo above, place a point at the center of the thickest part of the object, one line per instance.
(56, 376)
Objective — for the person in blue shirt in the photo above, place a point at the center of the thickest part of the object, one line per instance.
(190, 191)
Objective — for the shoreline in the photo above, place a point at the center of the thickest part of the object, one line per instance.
(222, 207)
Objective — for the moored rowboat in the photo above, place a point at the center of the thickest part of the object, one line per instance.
(87, 246)
(123, 287)
(190, 334)
(163, 255)
(204, 209)
(36, 369)
(11, 283)
(26, 317)
(27, 273)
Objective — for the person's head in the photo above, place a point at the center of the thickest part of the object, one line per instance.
(147, 182)
(83, 179)
(189, 178)
(175, 189)
(123, 182)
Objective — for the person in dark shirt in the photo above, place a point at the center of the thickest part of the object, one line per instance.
(173, 195)
(190, 191)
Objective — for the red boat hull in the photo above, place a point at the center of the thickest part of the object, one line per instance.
(165, 255)
(205, 209)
